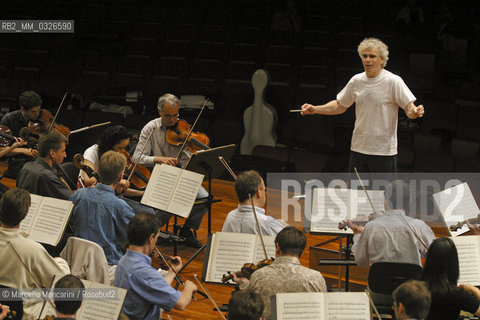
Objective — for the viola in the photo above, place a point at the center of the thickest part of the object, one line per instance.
(196, 141)
(140, 175)
(359, 220)
(247, 270)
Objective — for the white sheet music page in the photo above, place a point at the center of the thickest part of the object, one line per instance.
(347, 305)
(300, 305)
(229, 251)
(456, 204)
(468, 248)
(330, 206)
(185, 193)
(26, 223)
(161, 186)
(269, 246)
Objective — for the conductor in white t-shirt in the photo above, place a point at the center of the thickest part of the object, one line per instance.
(377, 93)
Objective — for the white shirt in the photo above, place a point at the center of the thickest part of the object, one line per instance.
(387, 239)
(241, 220)
(376, 114)
(157, 146)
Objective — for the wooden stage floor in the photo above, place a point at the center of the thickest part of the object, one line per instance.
(203, 309)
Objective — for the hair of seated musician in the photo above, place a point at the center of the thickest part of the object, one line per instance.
(14, 206)
(247, 184)
(415, 298)
(29, 99)
(167, 98)
(291, 241)
(141, 227)
(111, 167)
(245, 305)
(110, 137)
(441, 268)
(50, 141)
(397, 195)
(68, 286)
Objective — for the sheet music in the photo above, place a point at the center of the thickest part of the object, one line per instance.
(172, 189)
(331, 206)
(347, 306)
(456, 204)
(301, 305)
(269, 246)
(229, 252)
(185, 193)
(26, 223)
(468, 249)
(50, 220)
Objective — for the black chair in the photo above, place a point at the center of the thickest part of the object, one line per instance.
(385, 277)
(14, 304)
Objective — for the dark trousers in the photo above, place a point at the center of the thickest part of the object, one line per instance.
(372, 163)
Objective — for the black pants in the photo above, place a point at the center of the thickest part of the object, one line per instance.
(372, 163)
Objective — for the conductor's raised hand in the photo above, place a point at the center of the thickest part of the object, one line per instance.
(308, 108)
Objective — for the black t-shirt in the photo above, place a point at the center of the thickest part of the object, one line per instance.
(448, 307)
(15, 121)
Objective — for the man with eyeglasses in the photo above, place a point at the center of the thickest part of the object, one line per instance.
(377, 94)
(158, 150)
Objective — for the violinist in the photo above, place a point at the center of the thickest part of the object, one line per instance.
(99, 215)
(241, 220)
(388, 238)
(41, 176)
(68, 286)
(158, 150)
(41, 266)
(285, 274)
(148, 291)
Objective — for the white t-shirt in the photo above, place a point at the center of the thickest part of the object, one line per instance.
(376, 115)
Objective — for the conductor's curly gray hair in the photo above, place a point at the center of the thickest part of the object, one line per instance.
(369, 43)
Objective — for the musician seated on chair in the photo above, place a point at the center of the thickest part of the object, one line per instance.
(411, 300)
(99, 215)
(242, 220)
(148, 291)
(392, 237)
(285, 274)
(42, 176)
(158, 150)
(41, 266)
(68, 286)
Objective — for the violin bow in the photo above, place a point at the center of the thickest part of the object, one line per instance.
(141, 152)
(258, 227)
(28, 271)
(365, 190)
(58, 110)
(90, 127)
(45, 302)
(191, 130)
(209, 296)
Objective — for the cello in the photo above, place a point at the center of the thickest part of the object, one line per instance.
(260, 118)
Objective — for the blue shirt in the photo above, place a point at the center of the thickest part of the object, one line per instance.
(100, 216)
(147, 289)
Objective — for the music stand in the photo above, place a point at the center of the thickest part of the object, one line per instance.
(207, 162)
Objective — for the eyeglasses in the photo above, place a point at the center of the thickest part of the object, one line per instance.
(172, 116)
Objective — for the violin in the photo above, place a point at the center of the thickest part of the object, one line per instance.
(6, 137)
(45, 123)
(140, 176)
(459, 225)
(177, 134)
(79, 163)
(359, 220)
(247, 270)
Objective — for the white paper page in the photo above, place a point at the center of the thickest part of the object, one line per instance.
(332, 206)
(300, 305)
(456, 204)
(26, 223)
(50, 221)
(110, 309)
(229, 252)
(161, 186)
(269, 246)
(185, 193)
(347, 306)
(468, 248)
